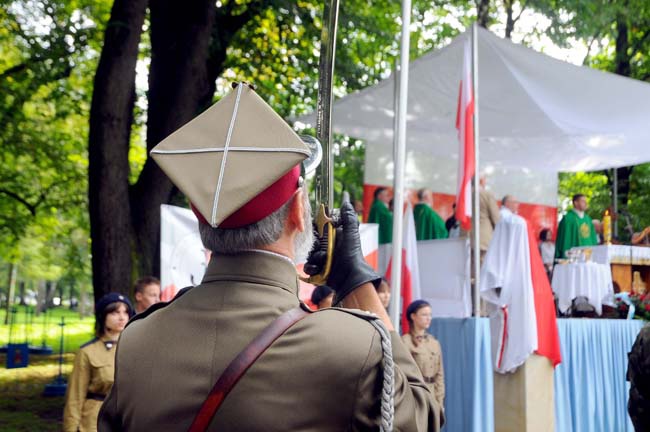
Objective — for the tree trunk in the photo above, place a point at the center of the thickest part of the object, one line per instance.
(510, 22)
(180, 87)
(21, 293)
(11, 286)
(622, 59)
(483, 12)
(108, 149)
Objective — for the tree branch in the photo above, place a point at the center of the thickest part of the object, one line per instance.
(23, 201)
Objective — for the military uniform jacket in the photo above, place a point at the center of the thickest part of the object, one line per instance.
(92, 374)
(323, 374)
(428, 356)
(488, 218)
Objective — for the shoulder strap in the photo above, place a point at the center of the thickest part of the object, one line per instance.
(240, 365)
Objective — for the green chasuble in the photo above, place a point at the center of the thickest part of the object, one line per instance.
(428, 224)
(574, 231)
(380, 214)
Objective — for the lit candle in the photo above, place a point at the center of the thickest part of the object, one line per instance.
(607, 228)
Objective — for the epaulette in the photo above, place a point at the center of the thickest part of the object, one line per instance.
(153, 308)
(366, 315)
(90, 342)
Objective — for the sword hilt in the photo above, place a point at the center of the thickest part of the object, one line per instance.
(325, 230)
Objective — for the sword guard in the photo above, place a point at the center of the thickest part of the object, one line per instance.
(326, 234)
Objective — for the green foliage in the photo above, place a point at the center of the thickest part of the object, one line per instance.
(45, 86)
(591, 184)
(637, 203)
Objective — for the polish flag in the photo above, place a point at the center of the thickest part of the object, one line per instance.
(465, 126)
(548, 340)
(410, 270)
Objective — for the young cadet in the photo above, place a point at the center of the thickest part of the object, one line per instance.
(239, 165)
(92, 374)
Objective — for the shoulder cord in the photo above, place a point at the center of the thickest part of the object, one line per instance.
(388, 387)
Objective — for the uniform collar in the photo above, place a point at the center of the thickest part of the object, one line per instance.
(254, 266)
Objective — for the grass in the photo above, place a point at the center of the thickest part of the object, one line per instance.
(22, 406)
(77, 330)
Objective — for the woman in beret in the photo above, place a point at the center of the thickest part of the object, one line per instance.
(425, 349)
(92, 374)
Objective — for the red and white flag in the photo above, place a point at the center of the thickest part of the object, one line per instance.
(465, 126)
(410, 286)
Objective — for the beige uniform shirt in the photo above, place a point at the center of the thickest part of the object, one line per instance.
(489, 216)
(323, 374)
(92, 374)
(428, 356)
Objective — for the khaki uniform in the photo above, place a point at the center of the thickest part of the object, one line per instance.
(90, 380)
(489, 216)
(323, 374)
(428, 356)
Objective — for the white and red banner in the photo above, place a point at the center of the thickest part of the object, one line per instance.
(183, 259)
(410, 286)
(465, 126)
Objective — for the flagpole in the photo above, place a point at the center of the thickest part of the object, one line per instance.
(477, 207)
(400, 156)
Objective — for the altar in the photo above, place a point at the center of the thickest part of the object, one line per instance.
(630, 265)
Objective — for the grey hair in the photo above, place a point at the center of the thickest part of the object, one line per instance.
(253, 236)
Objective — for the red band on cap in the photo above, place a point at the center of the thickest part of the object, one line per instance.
(265, 203)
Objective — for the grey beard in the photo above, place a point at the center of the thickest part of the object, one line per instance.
(305, 239)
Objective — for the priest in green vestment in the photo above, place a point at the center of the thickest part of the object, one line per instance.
(380, 214)
(575, 229)
(428, 224)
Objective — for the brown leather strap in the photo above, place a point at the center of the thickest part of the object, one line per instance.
(240, 365)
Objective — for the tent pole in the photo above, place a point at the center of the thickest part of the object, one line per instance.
(476, 212)
(400, 153)
(615, 199)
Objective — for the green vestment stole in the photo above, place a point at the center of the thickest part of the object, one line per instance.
(428, 224)
(380, 214)
(574, 231)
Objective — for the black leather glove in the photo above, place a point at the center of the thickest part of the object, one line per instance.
(349, 268)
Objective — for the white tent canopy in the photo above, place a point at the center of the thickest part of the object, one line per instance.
(538, 116)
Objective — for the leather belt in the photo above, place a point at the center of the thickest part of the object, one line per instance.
(95, 396)
(429, 380)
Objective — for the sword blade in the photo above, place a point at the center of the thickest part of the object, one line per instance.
(325, 174)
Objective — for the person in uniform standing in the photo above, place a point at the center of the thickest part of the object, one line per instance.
(239, 164)
(488, 216)
(92, 373)
(425, 348)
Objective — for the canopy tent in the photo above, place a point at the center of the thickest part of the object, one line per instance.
(538, 116)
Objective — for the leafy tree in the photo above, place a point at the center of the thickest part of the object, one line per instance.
(273, 44)
(44, 93)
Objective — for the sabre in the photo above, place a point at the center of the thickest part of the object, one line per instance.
(324, 185)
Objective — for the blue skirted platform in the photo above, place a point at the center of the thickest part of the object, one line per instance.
(590, 388)
(469, 402)
(591, 392)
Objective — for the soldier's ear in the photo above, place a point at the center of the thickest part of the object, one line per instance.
(296, 211)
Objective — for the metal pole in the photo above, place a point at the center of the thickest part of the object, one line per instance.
(477, 208)
(398, 190)
(395, 110)
(615, 198)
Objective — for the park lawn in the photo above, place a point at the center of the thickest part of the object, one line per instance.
(77, 330)
(22, 406)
